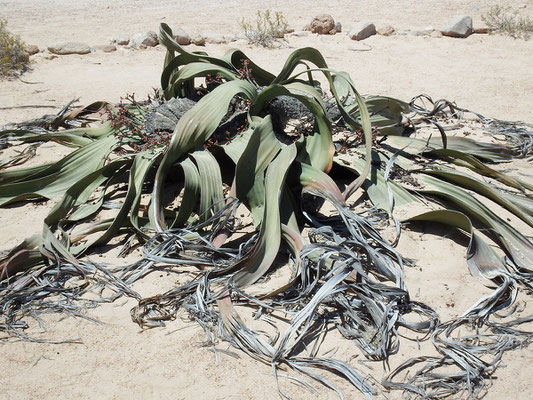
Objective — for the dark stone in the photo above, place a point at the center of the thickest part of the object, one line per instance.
(166, 116)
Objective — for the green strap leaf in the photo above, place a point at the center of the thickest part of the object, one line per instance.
(211, 196)
(193, 129)
(518, 246)
(481, 258)
(261, 149)
(269, 240)
(57, 178)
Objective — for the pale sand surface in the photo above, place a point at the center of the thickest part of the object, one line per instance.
(492, 75)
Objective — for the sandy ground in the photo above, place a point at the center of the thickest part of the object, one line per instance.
(492, 75)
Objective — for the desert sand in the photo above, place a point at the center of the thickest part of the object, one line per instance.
(489, 74)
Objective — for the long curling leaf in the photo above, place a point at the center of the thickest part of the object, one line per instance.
(481, 258)
(211, 196)
(260, 150)
(268, 242)
(57, 178)
(518, 246)
(192, 130)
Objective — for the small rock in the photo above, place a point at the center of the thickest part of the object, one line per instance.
(181, 36)
(333, 31)
(338, 26)
(322, 24)
(481, 30)
(415, 32)
(148, 39)
(215, 38)
(385, 30)
(121, 40)
(435, 34)
(198, 40)
(32, 49)
(361, 30)
(106, 48)
(65, 48)
(460, 27)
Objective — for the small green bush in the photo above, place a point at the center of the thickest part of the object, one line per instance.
(13, 56)
(505, 21)
(269, 26)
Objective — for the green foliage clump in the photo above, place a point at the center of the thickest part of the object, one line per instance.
(505, 21)
(269, 26)
(13, 56)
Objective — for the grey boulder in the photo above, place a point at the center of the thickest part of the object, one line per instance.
(65, 48)
(148, 39)
(361, 30)
(181, 36)
(459, 27)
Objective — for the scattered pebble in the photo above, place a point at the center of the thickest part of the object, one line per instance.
(181, 36)
(385, 30)
(32, 49)
(322, 24)
(121, 40)
(148, 39)
(361, 30)
(459, 26)
(198, 40)
(65, 48)
(106, 48)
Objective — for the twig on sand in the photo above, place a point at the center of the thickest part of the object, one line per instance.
(28, 106)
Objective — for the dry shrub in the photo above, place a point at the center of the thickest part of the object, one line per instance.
(269, 26)
(505, 21)
(13, 56)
